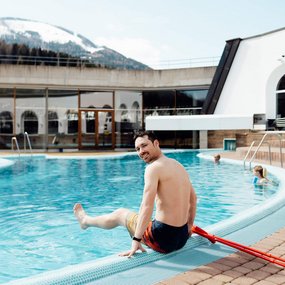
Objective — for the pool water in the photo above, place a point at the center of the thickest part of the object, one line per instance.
(39, 231)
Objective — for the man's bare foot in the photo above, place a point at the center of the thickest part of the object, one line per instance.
(80, 215)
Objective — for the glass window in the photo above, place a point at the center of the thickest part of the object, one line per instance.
(96, 99)
(190, 102)
(62, 118)
(6, 122)
(124, 117)
(72, 121)
(29, 122)
(136, 115)
(6, 117)
(159, 102)
(52, 122)
(90, 122)
(178, 139)
(128, 116)
(30, 116)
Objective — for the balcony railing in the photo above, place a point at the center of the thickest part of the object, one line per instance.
(46, 60)
(172, 111)
(87, 62)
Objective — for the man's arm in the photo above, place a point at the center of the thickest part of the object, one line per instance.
(146, 208)
(192, 209)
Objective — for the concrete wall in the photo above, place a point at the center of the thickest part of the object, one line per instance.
(83, 78)
(252, 81)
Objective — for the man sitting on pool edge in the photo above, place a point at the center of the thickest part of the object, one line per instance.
(167, 184)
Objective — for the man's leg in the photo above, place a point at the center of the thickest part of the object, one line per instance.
(109, 221)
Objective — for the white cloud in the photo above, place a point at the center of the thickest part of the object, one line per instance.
(136, 48)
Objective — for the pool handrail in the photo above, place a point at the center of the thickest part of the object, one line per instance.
(261, 142)
(27, 139)
(14, 140)
(248, 152)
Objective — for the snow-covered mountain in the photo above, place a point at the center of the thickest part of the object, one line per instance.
(45, 36)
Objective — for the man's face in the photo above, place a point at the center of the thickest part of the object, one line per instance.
(146, 149)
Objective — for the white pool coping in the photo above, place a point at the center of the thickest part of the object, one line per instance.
(151, 267)
(5, 162)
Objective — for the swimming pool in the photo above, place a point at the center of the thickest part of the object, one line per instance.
(37, 195)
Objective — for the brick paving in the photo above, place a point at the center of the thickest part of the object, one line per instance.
(239, 268)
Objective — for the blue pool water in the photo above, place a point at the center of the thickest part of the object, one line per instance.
(40, 233)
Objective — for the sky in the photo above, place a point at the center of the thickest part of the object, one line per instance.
(159, 33)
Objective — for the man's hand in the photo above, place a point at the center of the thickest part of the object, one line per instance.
(135, 247)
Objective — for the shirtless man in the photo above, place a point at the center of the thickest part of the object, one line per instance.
(167, 185)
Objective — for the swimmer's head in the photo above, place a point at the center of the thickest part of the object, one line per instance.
(258, 170)
(217, 157)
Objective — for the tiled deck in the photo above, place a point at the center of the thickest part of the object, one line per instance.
(239, 268)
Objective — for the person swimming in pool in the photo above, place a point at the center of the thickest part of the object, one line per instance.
(259, 175)
(167, 186)
(217, 158)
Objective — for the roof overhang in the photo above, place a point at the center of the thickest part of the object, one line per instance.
(199, 122)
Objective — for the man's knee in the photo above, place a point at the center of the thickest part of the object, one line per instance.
(121, 215)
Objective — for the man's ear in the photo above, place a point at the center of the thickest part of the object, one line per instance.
(156, 143)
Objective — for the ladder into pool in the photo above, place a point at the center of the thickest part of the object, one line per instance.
(262, 141)
(14, 142)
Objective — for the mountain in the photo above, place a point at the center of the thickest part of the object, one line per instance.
(48, 37)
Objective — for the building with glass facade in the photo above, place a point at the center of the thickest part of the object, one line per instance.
(60, 107)
(88, 108)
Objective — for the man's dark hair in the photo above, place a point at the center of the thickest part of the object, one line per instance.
(151, 135)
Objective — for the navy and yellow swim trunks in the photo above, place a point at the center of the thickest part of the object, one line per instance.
(160, 236)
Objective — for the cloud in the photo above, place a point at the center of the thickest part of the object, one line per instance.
(136, 48)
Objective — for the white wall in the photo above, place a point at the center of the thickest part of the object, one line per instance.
(198, 122)
(252, 81)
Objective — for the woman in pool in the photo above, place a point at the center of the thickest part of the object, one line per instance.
(259, 175)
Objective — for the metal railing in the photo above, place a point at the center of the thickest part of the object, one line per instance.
(47, 60)
(186, 62)
(269, 149)
(88, 61)
(247, 154)
(172, 111)
(14, 141)
(27, 139)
